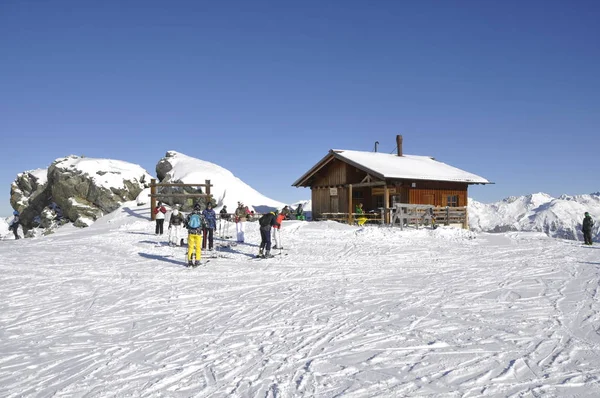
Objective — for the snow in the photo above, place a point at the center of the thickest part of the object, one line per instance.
(557, 217)
(109, 310)
(227, 189)
(107, 173)
(409, 167)
(41, 175)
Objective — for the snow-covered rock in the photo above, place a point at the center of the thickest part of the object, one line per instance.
(75, 189)
(227, 189)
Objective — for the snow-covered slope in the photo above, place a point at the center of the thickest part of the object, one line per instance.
(343, 311)
(227, 189)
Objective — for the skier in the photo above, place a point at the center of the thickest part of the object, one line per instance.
(359, 210)
(160, 211)
(586, 227)
(193, 223)
(266, 221)
(277, 231)
(286, 212)
(241, 214)
(175, 227)
(210, 219)
(14, 224)
(300, 212)
(224, 218)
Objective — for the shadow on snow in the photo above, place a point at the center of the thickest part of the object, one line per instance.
(162, 258)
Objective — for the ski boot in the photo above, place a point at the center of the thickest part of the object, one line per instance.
(268, 254)
(260, 254)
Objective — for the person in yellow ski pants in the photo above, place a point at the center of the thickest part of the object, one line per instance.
(359, 210)
(193, 223)
(194, 241)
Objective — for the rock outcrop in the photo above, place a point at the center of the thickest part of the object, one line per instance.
(164, 169)
(75, 189)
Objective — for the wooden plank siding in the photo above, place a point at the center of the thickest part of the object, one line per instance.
(323, 202)
(436, 197)
(332, 175)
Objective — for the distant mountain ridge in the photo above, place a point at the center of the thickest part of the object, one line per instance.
(556, 217)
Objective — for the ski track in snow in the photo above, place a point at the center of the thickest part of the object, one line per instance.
(353, 312)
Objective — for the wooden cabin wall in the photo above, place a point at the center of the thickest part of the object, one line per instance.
(436, 197)
(324, 202)
(354, 175)
(331, 175)
(429, 192)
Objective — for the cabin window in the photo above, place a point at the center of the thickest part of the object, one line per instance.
(378, 201)
(452, 201)
(357, 195)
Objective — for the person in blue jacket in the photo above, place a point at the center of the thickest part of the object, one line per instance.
(14, 224)
(208, 229)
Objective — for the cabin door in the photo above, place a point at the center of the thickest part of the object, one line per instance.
(334, 204)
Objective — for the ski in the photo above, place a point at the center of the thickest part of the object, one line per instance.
(201, 262)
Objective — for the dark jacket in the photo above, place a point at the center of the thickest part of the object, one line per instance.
(224, 215)
(15, 222)
(210, 217)
(587, 224)
(176, 220)
(268, 220)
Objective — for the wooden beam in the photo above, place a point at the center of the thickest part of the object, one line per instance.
(369, 184)
(386, 204)
(152, 199)
(207, 185)
(366, 179)
(350, 209)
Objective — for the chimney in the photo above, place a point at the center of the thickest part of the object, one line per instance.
(399, 144)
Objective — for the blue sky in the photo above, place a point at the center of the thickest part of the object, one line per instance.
(509, 90)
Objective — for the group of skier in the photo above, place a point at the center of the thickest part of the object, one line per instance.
(201, 225)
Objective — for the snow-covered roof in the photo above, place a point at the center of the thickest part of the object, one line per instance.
(392, 166)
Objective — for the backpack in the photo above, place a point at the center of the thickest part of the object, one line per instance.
(195, 221)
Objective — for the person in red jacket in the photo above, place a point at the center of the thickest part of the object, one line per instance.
(277, 231)
(159, 212)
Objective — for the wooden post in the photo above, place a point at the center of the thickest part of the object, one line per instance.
(208, 195)
(447, 215)
(152, 198)
(386, 204)
(466, 220)
(350, 211)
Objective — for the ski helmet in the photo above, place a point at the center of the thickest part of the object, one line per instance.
(197, 206)
(587, 214)
(15, 213)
